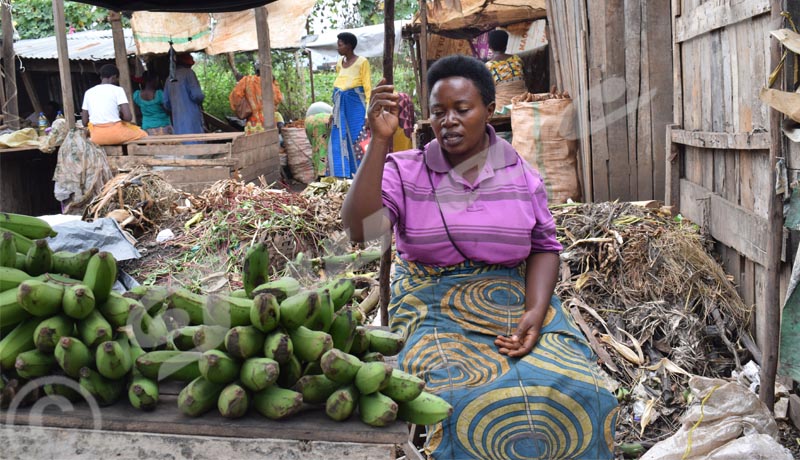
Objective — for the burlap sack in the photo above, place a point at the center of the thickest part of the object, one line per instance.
(298, 154)
(544, 135)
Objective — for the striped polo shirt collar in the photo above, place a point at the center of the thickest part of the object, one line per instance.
(499, 157)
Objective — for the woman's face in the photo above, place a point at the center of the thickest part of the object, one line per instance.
(342, 47)
(458, 117)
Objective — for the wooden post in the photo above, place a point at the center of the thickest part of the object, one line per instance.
(423, 52)
(772, 307)
(388, 75)
(265, 60)
(11, 107)
(63, 63)
(311, 77)
(121, 58)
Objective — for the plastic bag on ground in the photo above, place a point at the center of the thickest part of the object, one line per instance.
(720, 425)
(81, 171)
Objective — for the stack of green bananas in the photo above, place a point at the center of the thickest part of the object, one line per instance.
(272, 345)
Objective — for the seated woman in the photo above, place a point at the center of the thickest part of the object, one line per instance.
(106, 111)
(506, 69)
(155, 120)
(474, 279)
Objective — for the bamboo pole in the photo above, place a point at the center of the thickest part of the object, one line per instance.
(63, 63)
(121, 58)
(11, 107)
(262, 31)
(423, 52)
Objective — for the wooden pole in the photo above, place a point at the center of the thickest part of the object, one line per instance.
(423, 52)
(31, 90)
(63, 63)
(772, 307)
(310, 67)
(11, 107)
(265, 61)
(121, 57)
(388, 75)
(672, 180)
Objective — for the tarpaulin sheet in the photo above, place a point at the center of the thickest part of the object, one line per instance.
(481, 14)
(370, 41)
(205, 6)
(220, 32)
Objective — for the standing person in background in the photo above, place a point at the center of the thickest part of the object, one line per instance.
(351, 91)
(248, 89)
(106, 111)
(509, 80)
(149, 100)
(183, 98)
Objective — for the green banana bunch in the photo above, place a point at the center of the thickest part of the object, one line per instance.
(152, 297)
(259, 373)
(73, 264)
(11, 277)
(341, 404)
(50, 331)
(19, 340)
(33, 363)
(72, 355)
(281, 288)
(143, 393)
(299, 308)
(8, 250)
(322, 318)
(360, 343)
(310, 345)
(233, 402)
(22, 242)
(372, 377)
(265, 314)
(277, 403)
(376, 409)
(39, 298)
(210, 338)
(316, 388)
(169, 365)
(403, 387)
(116, 308)
(28, 226)
(78, 301)
(244, 342)
(228, 311)
(11, 312)
(218, 367)
(104, 390)
(343, 329)
(385, 342)
(290, 373)
(113, 359)
(58, 389)
(182, 339)
(101, 272)
(340, 366)
(199, 396)
(39, 258)
(94, 329)
(255, 271)
(342, 290)
(372, 356)
(188, 302)
(278, 346)
(425, 409)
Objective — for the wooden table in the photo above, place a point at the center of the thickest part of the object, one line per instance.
(121, 432)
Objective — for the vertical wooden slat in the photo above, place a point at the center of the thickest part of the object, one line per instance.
(31, 90)
(423, 53)
(659, 55)
(616, 121)
(643, 140)
(121, 57)
(11, 107)
(673, 158)
(265, 60)
(772, 308)
(63, 63)
(599, 137)
(635, 73)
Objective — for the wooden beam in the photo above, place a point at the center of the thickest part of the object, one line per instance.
(31, 90)
(423, 53)
(179, 150)
(731, 141)
(129, 161)
(728, 223)
(121, 58)
(717, 14)
(772, 307)
(265, 60)
(63, 63)
(11, 108)
(672, 172)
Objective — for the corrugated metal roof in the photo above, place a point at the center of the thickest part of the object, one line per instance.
(90, 45)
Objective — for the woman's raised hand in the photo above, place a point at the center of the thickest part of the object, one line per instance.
(383, 111)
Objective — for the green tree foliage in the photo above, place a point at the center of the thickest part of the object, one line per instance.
(34, 18)
(372, 10)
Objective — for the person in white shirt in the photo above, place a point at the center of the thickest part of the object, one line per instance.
(107, 113)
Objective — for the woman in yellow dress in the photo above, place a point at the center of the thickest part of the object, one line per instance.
(351, 91)
(506, 69)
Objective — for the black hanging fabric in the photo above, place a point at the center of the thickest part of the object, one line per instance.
(171, 62)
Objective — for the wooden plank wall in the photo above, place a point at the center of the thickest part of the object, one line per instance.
(615, 59)
(725, 179)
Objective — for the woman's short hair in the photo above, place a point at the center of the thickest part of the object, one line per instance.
(108, 71)
(498, 40)
(467, 67)
(348, 39)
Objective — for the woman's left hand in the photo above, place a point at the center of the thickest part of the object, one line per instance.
(525, 337)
